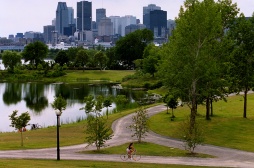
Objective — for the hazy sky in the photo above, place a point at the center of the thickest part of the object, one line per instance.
(31, 15)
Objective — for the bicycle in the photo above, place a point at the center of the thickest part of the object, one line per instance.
(35, 126)
(133, 156)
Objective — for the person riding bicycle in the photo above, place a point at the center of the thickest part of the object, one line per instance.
(130, 149)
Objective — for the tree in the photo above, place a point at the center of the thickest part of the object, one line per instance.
(35, 52)
(20, 122)
(107, 103)
(81, 58)
(59, 104)
(131, 47)
(11, 59)
(121, 101)
(242, 56)
(151, 59)
(101, 59)
(97, 130)
(140, 124)
(187, 59)
(172, 103)
(62, 58)
(194, 138)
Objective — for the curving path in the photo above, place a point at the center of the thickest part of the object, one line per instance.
(225, 157)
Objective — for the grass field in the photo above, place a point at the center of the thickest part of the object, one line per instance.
(25, 163)
(227, 128)
(88, 75)
(149, 149)
(70, 134)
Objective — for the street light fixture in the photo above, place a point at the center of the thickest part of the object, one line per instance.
(58, 114)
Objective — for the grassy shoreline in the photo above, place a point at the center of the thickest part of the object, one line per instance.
(227, 128)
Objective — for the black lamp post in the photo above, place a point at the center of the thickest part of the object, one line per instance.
(58, 114)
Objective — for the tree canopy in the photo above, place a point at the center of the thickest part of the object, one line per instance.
(189, 61)
(131, 47)
(35, 52)
(11, 59)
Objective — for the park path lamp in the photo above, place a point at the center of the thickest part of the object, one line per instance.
(58, 114)
(59, 105)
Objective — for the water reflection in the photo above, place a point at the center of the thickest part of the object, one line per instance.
(36, 98)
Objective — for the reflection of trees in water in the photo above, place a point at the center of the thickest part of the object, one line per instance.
(12, 93)
(132, 95)
(73, 93)
(34, 97)
(35, 94)
(100, 89)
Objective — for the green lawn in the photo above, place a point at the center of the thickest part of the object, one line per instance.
(148, 149)
(227, 128)
(70, 134)
(109, 75)
(25, 163)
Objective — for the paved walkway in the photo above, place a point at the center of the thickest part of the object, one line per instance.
(225, 157)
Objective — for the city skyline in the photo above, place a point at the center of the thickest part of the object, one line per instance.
(19, 17)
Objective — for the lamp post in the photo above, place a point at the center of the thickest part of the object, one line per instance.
(58, 114)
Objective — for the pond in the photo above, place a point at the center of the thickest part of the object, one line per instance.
(36, 98)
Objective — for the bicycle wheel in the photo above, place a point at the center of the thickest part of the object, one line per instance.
(124, 157)
(136, 157)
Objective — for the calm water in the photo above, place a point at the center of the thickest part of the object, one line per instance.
(36, 98)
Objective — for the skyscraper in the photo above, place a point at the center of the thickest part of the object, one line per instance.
(62, 19)
(84, 15)
(105, 27)
(100, 13)
(146, 13)
(126, 21)
(116, 20)
(71, 15)
(158, 23)
(48, 32)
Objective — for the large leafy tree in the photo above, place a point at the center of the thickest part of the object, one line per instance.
(242, 56)
(188, 61)
(101, 59)
(35, 52)
(62, 58)
(11, 59)
(82, 58)
(131, 47)
(151, 59)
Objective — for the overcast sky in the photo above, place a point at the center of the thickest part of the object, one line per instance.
(31, 15)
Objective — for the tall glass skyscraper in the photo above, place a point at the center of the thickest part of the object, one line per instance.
(146, 13)
(158, 23)
(100, 13)
(84, 15)
(62, 19)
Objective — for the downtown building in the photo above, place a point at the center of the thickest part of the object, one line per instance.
(48, 33)
(100, 13)
(155, 20)
(62, 17)
(84, 20)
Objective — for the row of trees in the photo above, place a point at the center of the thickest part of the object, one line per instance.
(127, 49)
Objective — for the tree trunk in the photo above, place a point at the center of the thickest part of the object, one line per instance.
(245, 103)
(193, 107)
(211, 101)
(21, 137)
(207, 108)
(167, 109)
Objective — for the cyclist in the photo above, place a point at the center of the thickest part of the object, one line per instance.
(130, 149)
